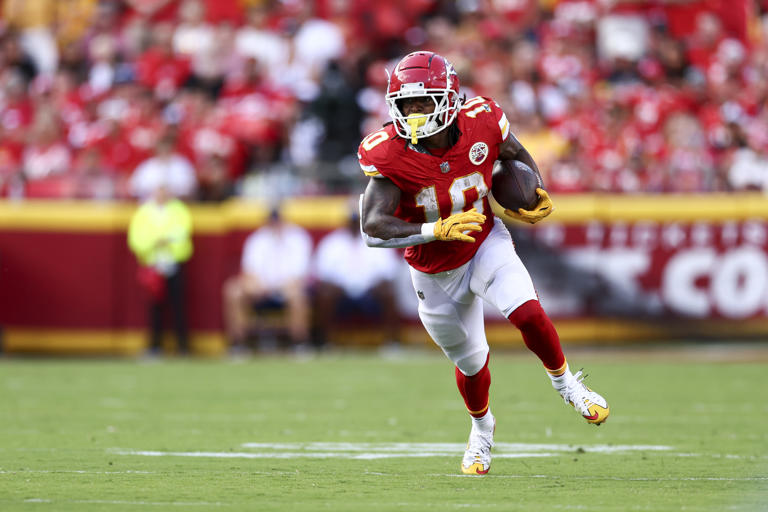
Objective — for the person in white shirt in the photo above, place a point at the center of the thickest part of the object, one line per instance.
(167, 168)
(748, 168)
(352, 277)
(256, 40)
(274, 269)
(193, 35)
(317, 41)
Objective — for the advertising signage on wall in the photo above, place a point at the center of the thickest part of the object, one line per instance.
(696, 269)
(606, 268)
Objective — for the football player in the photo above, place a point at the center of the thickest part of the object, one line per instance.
(430, 173)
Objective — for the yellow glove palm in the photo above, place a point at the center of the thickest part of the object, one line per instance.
(453, 227)
(541, 210)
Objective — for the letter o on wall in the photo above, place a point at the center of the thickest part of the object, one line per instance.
(678, 282)
(739, 282)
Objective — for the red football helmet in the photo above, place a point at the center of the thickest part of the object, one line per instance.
(424, 74)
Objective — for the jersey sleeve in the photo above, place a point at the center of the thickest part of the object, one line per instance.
(371, 151)
(368, 167)
(490, 116)
(501, 120)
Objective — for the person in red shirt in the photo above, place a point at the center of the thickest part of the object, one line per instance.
(430, 172)
(159, 69)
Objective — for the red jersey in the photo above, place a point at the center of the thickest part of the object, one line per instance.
(436, 187)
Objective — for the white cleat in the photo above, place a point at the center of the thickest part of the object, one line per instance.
(477, 458)
(589, 404)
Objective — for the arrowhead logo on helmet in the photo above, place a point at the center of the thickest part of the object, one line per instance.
(423, 74)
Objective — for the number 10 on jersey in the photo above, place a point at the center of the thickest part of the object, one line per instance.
(427, 197)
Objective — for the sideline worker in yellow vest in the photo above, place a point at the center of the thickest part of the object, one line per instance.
(160, 235)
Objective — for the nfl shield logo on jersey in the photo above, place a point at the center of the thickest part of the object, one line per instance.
(445, 167)
(478, 153)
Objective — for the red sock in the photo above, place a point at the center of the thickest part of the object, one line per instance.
(474, 390)
(539, 334)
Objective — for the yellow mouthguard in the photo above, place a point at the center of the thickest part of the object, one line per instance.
(415, 121)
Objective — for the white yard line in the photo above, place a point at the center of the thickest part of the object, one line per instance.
(613, 478)
(128, 502)
(78, 471)
(721, 455)
(453, 447)
(370, 451)
(318, 455)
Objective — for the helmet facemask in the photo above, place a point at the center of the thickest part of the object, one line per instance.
(446, 103)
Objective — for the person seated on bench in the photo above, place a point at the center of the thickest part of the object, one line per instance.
(351, 277)
(274, 270)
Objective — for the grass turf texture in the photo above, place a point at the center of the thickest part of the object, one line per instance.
(64, 423)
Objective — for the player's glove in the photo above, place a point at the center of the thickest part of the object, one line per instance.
(452, 228)
(541, 210)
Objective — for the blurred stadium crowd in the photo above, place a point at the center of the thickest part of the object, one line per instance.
(262, 98)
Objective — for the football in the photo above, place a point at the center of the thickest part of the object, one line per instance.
(514, 185)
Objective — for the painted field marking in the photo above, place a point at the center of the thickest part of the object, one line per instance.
(369, 451)
(127, 502)
(77, 471)
(312, 455)
(452, 448)
(613, 478)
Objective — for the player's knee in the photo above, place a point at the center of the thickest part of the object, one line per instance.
(528, 316)
(471, 364)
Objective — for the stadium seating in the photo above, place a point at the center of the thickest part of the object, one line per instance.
(265, 98)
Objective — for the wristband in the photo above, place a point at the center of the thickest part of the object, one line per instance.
(428, 231)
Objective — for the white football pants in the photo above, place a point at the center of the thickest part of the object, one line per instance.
(450, 302)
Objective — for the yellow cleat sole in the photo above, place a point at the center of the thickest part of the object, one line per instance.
(599, 414)
(475, 469)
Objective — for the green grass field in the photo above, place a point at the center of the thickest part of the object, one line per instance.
(281, 433)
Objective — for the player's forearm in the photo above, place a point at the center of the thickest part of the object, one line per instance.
(378, 224)
(391, 231)
(524, 156)
(511, 149)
